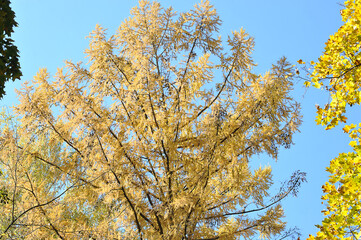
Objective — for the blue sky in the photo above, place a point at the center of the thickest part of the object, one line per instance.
(50, 32)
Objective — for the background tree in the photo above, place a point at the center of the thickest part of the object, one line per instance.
(9, 57)
(153, 138)
(338, 72)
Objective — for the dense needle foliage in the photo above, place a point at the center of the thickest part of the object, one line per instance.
(151, 138)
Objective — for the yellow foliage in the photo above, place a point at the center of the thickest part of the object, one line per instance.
(339, 68)
(151, 138)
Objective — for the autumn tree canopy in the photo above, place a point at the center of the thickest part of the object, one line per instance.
(9, 57)
(152, 138)
(338, 71)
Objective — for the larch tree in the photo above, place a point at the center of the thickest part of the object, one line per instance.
(152, 138)
(338, 71)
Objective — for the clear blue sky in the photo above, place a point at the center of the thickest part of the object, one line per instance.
(50, 32)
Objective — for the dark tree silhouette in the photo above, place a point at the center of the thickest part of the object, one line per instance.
(9, 54)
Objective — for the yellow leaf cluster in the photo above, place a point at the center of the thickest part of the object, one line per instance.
(339, 69)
